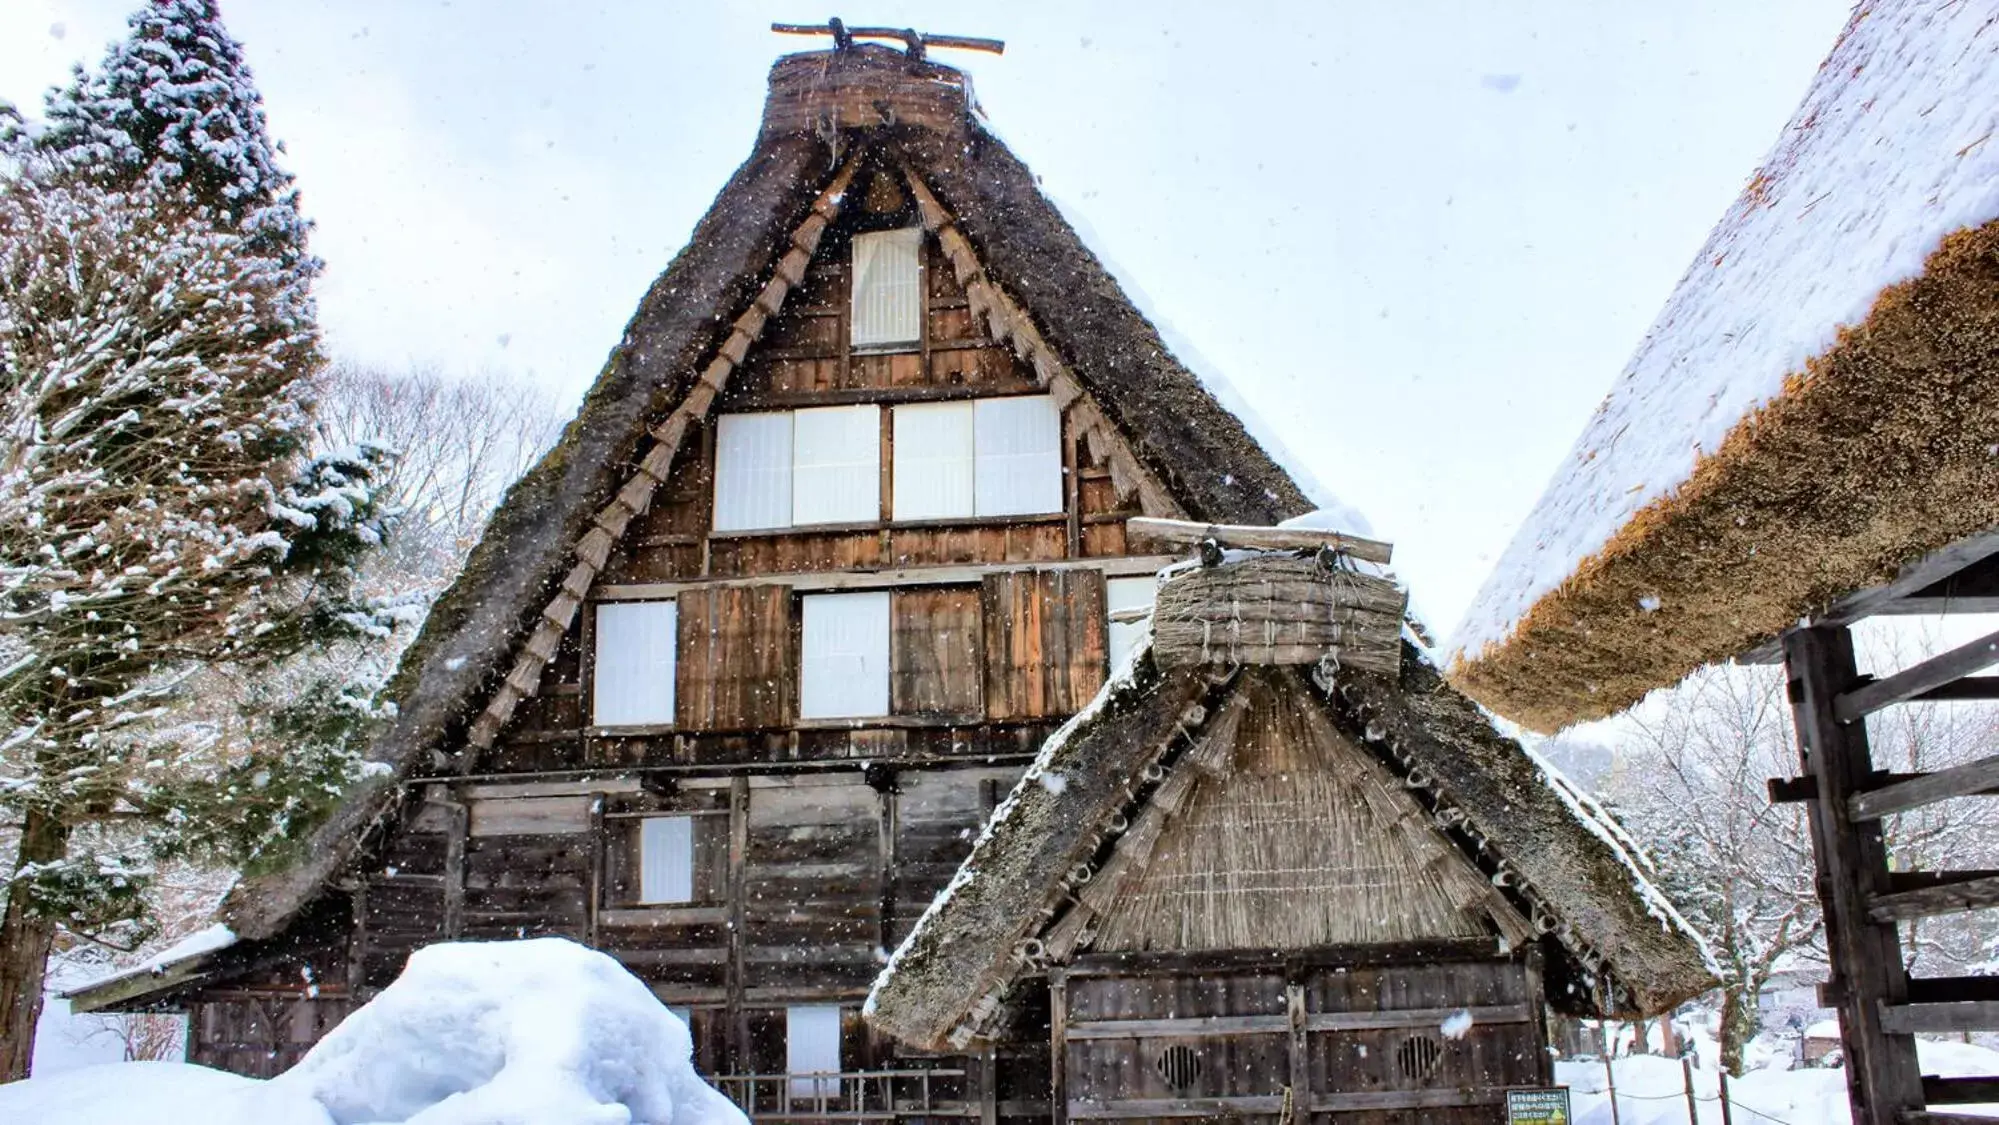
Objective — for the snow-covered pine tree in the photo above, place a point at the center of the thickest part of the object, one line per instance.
(158, 516)
(174, 106)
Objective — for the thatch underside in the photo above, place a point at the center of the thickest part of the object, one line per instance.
(1877, 454)
(1044, 880)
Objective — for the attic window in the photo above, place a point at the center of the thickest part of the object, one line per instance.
(888, 291)
(987, 457)
(632, 673)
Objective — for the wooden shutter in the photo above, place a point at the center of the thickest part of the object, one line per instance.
(753, 471)
(1019, 451)
(666, 859)
(933, 461)
(843, 658)
(1128, 593)
(836, 465)
(1045, 641)
(888, 301)
(632, 667)
(735, 658)
(935, 653)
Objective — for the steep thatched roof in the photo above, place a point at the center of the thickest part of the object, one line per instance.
(1815, 406)
(694, 322)
(1569, 871)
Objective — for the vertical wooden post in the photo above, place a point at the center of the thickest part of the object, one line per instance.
(1058, 1046)
(988, 1086)
(1727, 1114)
(1072, 486)
(357, 945)
(1882, 1075)
(595, 904)
(1693, 1104)
(887, 815)
(739, 851)
(458, 825)
(1301, 1065)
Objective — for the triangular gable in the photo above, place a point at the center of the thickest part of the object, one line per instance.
(1282, 834)
(487, 641)
(1048, 875)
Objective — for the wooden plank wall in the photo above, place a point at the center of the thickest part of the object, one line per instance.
(1368, 1038)
(1045, 641)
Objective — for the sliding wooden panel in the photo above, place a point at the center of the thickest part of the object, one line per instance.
(1045, 641)
(735, 658)
(935, 653)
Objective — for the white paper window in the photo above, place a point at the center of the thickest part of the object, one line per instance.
(888, 298)
(843, 665)
(753, 471)
(631, 676)
(1019, 450)
(812, 1046)
(933, 461)
(1128, 594)
(666, 859)
(836, 465)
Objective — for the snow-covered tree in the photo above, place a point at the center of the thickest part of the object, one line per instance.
(1691, 784)
(158, 517)
(174, 106)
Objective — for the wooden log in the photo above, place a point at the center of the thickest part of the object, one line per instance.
(1944, 898)
(1960, 1091)
(1927, 789)
(1263, 538)
(1854, 705)
(1939, 1019)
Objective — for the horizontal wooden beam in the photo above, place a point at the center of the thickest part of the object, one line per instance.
(1947, 1017)
(1174, 1028)
(879, 579)
(1258, 1106)
(1265, 538)
(1910, 682)
(1977, 891)
(1930, 1117)
(1416, 1017)
(1932, 568)
(1927, 789)
(1960, 1091)
(1917, 605)
(1968, 688)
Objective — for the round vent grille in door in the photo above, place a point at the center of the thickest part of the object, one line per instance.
(1180, 1066)
(1418, 1056)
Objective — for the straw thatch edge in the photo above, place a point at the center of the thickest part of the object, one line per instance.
(1877, 453)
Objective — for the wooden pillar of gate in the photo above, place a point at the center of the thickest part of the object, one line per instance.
(1884, 1080)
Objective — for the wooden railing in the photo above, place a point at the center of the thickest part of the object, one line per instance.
(861, 1095)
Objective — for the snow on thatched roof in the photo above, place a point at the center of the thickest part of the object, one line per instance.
(1617, 944)
(1047, 295)
(1812, 408)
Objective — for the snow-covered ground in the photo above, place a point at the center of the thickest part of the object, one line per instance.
(1651, 1090)
(497, 1033)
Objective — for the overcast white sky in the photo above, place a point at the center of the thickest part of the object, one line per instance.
(1419, 238)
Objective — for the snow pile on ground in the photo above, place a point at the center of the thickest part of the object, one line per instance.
(1651, 1090)
(540, 1032)
(1891, 151)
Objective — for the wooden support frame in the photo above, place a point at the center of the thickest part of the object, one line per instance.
(1884, 1080)
(1871, 696)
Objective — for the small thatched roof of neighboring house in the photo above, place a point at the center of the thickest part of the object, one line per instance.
(1816, 406)
(1065, 863)
(1029, 276)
